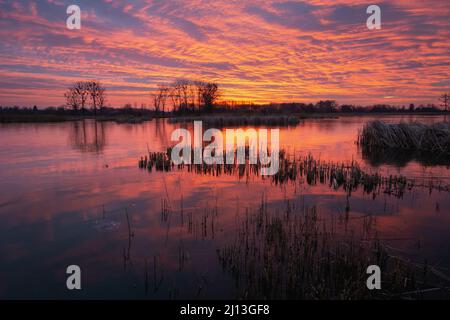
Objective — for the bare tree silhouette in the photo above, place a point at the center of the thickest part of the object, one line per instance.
(72, 99)
(83, 92)
(208, 93)
(96, 94)
(445, 99)
(160, 98)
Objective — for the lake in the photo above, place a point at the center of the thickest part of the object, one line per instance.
(72, 194)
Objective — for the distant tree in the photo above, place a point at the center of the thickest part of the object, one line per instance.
(445, 99)
(82, 90)
(183, 86)
(160, 98)
(412, 107)
(309, 107)
(96, 95)
(208, 93)
(182, 94)
(192, 96)
(72, 99)
(347, 108)
(175, 95)
(128, 107)
(101, 99)
(382, 108)
(327, 106)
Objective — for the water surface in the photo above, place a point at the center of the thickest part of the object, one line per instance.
(66, 190)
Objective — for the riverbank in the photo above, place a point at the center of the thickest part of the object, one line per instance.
(48, 118)
(225, 118)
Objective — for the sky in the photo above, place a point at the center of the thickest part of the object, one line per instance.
(259, 51)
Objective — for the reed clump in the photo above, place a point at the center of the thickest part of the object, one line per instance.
(160, 161)
(434, 138)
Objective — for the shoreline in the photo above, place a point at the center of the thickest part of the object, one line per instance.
(42, 117)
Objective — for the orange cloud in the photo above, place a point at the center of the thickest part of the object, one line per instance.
(256, 50)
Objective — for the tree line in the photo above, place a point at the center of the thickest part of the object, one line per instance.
(323, 106)
(184, 96)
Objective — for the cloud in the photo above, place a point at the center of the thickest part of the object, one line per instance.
(256, 49)
(298, 15)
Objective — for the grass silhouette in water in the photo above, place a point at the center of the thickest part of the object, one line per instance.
(296, 254)
(347, 176)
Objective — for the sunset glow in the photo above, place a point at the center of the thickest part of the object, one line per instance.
(260, 51)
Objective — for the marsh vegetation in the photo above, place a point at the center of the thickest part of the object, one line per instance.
(348, 177)
(297, 253)
(433, 139)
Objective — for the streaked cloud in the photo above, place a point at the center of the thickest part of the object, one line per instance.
(257, 50)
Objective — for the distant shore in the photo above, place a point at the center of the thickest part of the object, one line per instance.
(56, 115)
(139, 116)
(42, 118)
